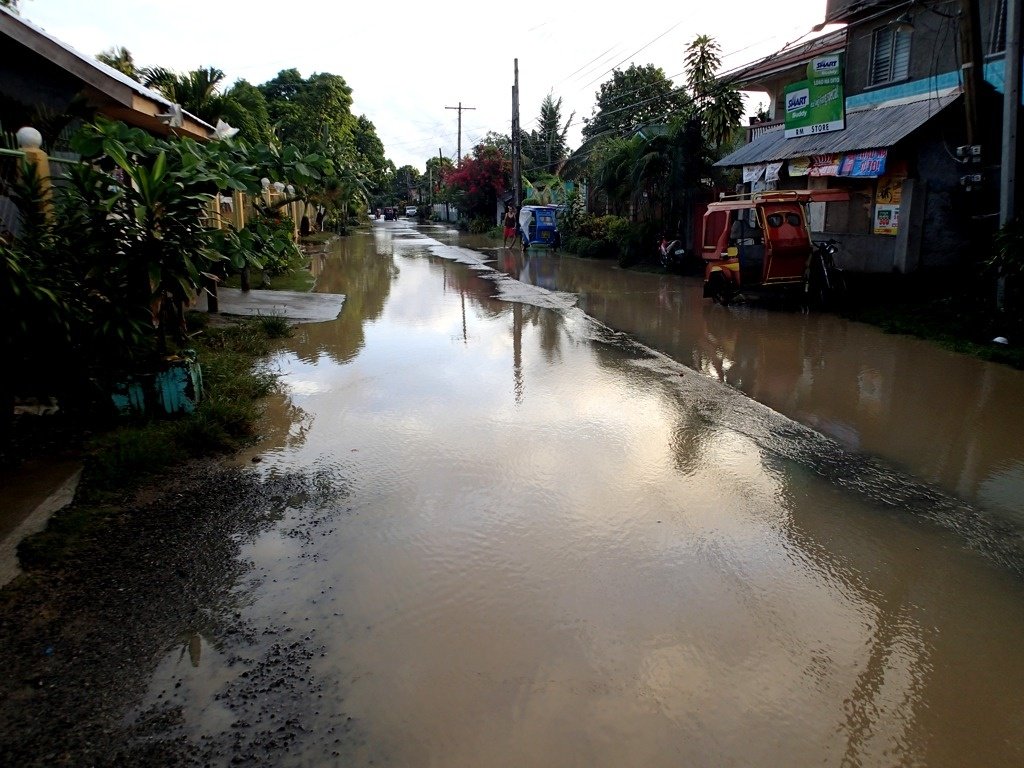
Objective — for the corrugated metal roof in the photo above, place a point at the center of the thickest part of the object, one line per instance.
(875, 127)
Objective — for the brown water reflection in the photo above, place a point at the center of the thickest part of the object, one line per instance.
(946, 418)
(547, 548)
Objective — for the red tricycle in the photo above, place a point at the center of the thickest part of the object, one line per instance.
(761, 244)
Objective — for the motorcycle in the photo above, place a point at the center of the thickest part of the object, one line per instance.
(672, 255)
(825, 284)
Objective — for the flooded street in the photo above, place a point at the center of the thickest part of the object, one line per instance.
(571, 516)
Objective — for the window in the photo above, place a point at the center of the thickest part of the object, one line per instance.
(890, 55)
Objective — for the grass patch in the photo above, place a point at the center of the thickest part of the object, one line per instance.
(296, 277)
(121, 461)
(319, 237)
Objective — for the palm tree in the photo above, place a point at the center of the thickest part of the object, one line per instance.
(197, 91)
(718, 105)
(120, 58)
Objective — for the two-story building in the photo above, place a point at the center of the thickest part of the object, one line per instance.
(880, 110)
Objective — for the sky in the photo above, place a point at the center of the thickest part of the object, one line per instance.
(407, 63)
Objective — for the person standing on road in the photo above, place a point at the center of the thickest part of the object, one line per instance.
(509, 226)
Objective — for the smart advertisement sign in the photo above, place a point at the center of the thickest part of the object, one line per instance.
(816, 105)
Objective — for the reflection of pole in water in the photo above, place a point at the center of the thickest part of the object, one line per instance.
(517, 351)
(462, 294)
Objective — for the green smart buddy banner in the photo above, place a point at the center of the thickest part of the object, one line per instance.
(816, 105)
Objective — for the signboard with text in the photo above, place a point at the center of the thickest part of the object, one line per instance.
(888, 195)
(816, 105)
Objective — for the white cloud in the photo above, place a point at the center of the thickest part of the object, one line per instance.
(406, 62)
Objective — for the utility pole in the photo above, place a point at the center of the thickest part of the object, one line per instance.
(1011, 110)
(460, 108)
(516, 148)
(440, 170)
(973, 64)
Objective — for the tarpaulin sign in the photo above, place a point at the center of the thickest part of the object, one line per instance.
(888, 194)
(798, 166)
(869, 164)
(825, 165)
(752, 173)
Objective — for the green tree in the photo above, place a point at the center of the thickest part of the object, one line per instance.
(245, 108)
(634, 97)
(405, 183)
(306, 112)
(120, 58)
(437, 169)
(369, 149)
(545, 148)
(717, 105)
(197, 91)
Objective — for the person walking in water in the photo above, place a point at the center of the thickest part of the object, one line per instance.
(509, 226)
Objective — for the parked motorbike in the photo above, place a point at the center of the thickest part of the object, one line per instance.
(825, 285)
(672, 256)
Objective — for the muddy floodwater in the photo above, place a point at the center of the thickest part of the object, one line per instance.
(570, 516)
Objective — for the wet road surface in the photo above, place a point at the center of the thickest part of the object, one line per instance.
(538, 538)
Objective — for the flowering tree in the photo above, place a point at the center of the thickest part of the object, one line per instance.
(478, 181)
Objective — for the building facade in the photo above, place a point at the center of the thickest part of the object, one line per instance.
(886, 110)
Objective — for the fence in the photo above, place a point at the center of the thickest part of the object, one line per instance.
(223, 210)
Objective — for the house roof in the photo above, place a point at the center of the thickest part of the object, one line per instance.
(786, 59)
(874, 127)
(112, 92)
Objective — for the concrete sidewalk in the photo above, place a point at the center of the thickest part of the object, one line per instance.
(297, 306)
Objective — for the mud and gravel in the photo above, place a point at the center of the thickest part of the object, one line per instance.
(79, 642)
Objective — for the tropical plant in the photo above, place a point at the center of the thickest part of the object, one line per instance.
(717, 104)
(310, 112)
(120, 58)
(544, 149)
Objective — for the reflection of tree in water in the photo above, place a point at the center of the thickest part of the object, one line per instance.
(283, 424)
(356, 270)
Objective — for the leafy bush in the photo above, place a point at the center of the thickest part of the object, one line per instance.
(480, 225)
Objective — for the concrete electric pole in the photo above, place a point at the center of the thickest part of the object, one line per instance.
(516, 148)
(458, 160)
